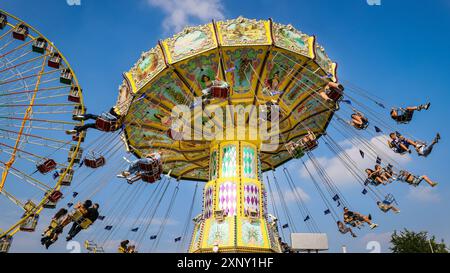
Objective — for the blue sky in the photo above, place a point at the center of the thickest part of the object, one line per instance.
(398, 51)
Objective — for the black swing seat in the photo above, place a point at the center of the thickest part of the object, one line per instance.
(20, 32)
(46, 165)
(404, 116)
(335, 94)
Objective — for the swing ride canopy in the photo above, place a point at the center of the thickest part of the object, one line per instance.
(35, 111)
(263, 61)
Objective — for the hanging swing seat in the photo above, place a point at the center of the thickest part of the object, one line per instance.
(46, 165)
(66, 77)
(150, 177)
(74, 95)
(20, 32)
(308, 143)
(67, 180)
(404, 116)
(106, 125)
(220, 92)
(78, 217)
(152, 166)
(39, 45)
(295, 150)
(94, 162)
(389, 199)
(5, 243)
(335, 94)
(3, 20)
(30, 224)
(55, 60)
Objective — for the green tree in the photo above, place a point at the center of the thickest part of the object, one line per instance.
(416, 242)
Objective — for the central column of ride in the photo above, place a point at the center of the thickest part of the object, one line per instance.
(234, 216)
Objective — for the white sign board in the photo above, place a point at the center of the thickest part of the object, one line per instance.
(309, 241)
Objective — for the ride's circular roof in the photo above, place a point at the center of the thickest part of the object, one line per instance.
(263, 61)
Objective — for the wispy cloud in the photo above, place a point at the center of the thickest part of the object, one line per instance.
(181, 13)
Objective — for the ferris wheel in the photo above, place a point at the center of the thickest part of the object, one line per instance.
(39, 94)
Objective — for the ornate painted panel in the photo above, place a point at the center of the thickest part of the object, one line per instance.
(229, 161)
(242, 31)
(208, 202)
(227, 198)
(249, 162)
(251, 198)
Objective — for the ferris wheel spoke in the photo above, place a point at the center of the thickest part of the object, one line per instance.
(40, 90)
(41, 120)
(62, 128)
(12, 198)
(16, 48)
(30, 76)
(22, 74)
(25, 177)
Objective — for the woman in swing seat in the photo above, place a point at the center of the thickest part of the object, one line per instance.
(359, 121)
(405, 115)
(332, 92)
(351, 218)
(376, 177)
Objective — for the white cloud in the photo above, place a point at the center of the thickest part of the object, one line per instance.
(337, 170)
(424, 194)
(180, 13)
(291, 196)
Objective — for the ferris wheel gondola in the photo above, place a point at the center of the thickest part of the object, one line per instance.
(38, 94)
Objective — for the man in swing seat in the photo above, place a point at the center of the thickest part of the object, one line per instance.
(91, 215)
(405, 115)
(386, 207)
(134, 167)
(107, 122)
(355, 219)
(415, 180)
(399, 144)
(359, 121)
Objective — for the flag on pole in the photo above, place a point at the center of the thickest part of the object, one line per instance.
(108, 227)
(378, 130)
(135, 229)
(153, 237)
(361, 153)
(326, 212)
(307, 218)
(177, 239)
(285, 226)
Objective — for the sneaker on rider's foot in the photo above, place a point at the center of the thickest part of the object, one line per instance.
(372, 226)
(426, 106)
(71, 132)
(434, 184)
